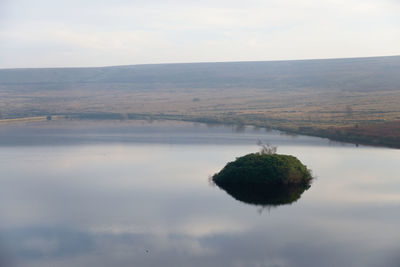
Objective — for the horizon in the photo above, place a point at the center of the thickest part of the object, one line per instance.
(205, 62)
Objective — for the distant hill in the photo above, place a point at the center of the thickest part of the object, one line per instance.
(344, 99)
(353, 74)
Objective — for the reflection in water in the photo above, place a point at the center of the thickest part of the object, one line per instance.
(265, 195)
(134, 195)
(36, 243)
(240, 128)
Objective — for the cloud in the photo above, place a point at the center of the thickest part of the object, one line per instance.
(72, 33)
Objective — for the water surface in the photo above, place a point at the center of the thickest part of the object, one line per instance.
(137, 194)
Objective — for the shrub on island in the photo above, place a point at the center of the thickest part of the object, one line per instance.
(264, 179)
(264, 169)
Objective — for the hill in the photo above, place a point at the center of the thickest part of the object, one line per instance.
(354, 74)
(319, 97)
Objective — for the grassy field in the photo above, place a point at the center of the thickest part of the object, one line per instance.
(347, 100)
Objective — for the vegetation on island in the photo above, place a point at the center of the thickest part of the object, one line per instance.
(264, 178)
(264, 168)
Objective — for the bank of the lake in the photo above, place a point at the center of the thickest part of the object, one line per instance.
(377, 133)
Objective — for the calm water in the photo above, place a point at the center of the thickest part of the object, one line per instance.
(137, 194)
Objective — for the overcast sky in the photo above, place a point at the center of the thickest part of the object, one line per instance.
(55, 33)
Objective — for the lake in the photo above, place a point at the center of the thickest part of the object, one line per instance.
(137, 193)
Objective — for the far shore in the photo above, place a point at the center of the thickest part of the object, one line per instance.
(363, 134)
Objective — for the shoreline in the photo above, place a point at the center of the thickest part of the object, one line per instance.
(346, 134)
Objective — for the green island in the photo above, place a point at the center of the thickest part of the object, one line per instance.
(265, 179)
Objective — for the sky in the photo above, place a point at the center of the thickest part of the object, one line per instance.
(80, 33)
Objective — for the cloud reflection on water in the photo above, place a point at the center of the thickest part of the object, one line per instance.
(281, 247)
(108, 204)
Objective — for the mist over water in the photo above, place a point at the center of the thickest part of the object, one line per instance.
(137, 194)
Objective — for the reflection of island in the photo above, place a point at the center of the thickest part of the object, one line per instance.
(265, 195)
(264, 178)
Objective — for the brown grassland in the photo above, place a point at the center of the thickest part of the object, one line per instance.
(354, 100)
(366, 118)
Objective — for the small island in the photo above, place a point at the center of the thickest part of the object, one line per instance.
(264, 178)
